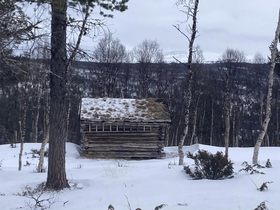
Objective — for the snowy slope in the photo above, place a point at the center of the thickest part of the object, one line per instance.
(141, 183)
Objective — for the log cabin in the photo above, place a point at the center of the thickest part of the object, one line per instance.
(123, 128)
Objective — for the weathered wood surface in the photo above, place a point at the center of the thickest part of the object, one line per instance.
(126, 155)
(123, 140)
(124, 128)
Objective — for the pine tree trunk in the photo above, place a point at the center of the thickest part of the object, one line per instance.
(277, 124)
(56, 178)
(68, 115)
(274, 55)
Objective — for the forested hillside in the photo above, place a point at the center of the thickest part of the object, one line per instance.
(247, 89)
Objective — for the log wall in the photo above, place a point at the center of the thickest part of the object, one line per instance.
(123, 139)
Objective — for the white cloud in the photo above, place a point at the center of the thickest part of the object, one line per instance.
(244, 25)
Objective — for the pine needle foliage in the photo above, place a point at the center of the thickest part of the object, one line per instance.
(210, 166)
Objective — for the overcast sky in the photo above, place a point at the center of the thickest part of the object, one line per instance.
(246, 25)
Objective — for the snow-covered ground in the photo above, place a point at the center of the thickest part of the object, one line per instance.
(145, 184)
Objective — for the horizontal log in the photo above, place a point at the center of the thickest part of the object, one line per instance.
(142, 122)
(123, 154)
(121, 140)
(122, 137)
(117, 149)
(131, 149)
(121, 134)
(122, 144)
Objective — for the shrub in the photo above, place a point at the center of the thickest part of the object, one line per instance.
(268, 164)
(251, 168)
(35, 152)
(262, 206)
(264, 186)
(38, 196)
(210, 166)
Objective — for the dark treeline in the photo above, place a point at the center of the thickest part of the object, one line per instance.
(247, 90)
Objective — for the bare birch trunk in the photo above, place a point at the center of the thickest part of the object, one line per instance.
(172, 139)
(176, 135)
(274, 55)
(37, 115)
(14, 144)
(261, 107)
(227, 114)
(201, 126)
(46, 136)
(266, 140)
(194, 121)
(22, 131)
(21, 148)
(234, 128)
(192, 12)
(40, 168)
(179, 125)
(212, 123)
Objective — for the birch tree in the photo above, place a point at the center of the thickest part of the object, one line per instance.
(230, 62)
(190, 8)
(272, 62)
(146, 54)
(109, 55)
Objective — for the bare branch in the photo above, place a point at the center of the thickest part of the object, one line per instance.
(184, 34)
(179, 61)
(82, 32)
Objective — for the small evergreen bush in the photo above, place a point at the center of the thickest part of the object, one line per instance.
(210, 166)
(268, 164)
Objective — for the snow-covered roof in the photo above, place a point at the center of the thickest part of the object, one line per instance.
(123, 109)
